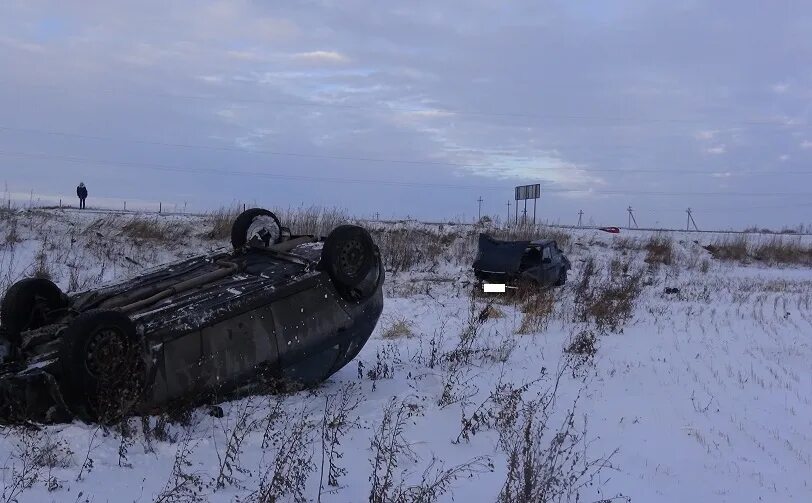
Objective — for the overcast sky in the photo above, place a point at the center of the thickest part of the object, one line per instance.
(415, 108)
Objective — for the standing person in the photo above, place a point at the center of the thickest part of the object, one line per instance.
(81, 191)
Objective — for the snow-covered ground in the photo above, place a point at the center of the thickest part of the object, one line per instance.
(702, 394)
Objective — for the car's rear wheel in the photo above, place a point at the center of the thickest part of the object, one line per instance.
(27, 305)
(351, 259)
(102, 370)
(562, 278)
(255, 226)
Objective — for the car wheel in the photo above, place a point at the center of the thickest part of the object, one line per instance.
(102, 372)
(562, 278)
(349, 256)
(26, 306)
(255, 225)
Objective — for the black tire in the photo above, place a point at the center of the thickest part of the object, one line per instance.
(242, 224)
(562, 278)
(26, 306)
(101, 368)
(349, 256)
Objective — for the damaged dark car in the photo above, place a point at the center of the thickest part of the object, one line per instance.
(539, 262)
(276, 308)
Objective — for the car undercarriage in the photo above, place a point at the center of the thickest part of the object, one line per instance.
(277, 308)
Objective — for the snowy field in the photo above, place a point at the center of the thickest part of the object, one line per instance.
(608, 389)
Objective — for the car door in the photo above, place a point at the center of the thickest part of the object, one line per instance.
(233, 348)
(308, 327)
(218, 357)
(549, 265)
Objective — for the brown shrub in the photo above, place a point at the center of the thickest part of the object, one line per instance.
(583, 344)
(153, 229)
(729, 249)
(659, 250)
(625, 243)
(776, 250)
(42, 266)
(220, 222)
(612, 302)
(12, 235)
(314, 220)
(537, 309)
(783, 251)
(582, 288)
(404, 248)
(608, 303)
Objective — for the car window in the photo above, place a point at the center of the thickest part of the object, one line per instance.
(546, 253)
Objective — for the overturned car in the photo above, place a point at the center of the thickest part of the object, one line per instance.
(278, 308)
(540, 262)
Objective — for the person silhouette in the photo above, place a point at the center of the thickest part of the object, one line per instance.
(81, 191)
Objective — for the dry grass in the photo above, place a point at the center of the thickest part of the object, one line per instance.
(625, 244)
(219, 222)
(313, 220)
(148, 229)
(612, 302)
(732, 249)
(407, 248)
(398, 328)
(783, 251)
(9, 224)
(583, 343)
(659, 250)
(491, 312)
(609, 301)
(42, 266)
(537, 308)
(778, 250)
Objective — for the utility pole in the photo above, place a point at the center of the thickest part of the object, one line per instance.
(631, 217)
(508, 219)
(534, 211)
(524, 214)
(377, 216)
(690, 221)
(580, 214)
(479, 214)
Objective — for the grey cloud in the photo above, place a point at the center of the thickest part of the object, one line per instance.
(486, 94)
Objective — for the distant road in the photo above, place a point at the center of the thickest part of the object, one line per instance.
(632, 229)
(413, 221)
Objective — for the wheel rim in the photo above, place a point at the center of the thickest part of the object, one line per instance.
(106, 351)
(263, 228)
(351, 258)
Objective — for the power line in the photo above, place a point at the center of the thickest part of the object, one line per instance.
(387, 160)
(400, 183)
(233, 149)
(451, 111)
(749, 207)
